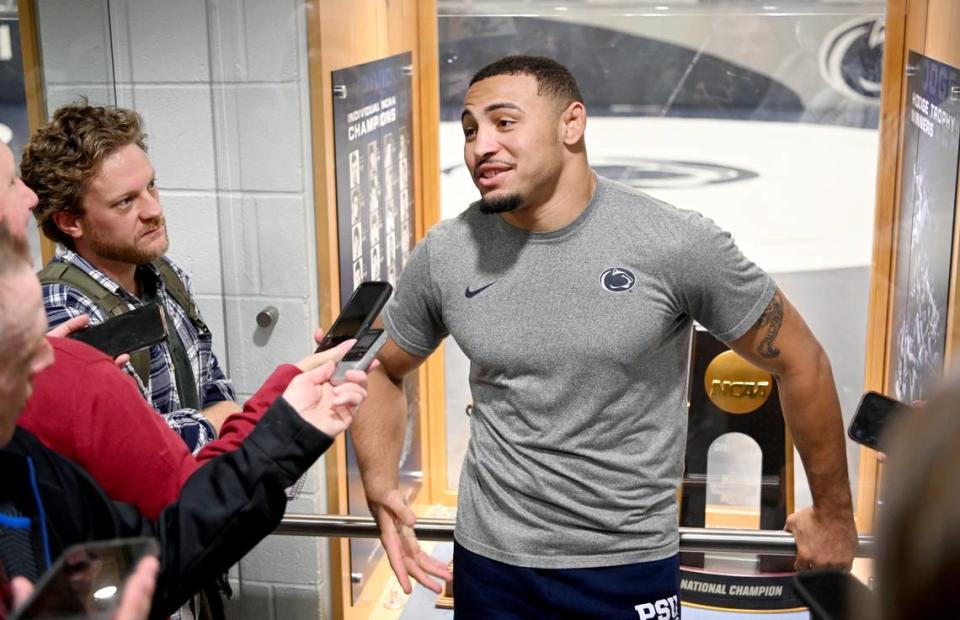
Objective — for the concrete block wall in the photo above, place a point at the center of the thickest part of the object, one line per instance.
(222, 86)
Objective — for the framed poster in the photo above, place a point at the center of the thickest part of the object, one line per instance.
(925, 227)
(373, 124)
(373, 120)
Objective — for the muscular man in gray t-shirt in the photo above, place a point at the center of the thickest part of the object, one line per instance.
(573, 298)
(578, 340)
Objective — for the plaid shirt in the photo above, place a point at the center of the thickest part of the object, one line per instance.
(63, 302)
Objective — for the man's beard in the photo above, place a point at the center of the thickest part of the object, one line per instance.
(131, 253)
(499, 204)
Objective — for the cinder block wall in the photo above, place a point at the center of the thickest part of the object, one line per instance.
(222, 86)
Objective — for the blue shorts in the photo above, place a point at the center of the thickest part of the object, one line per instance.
(484, 589)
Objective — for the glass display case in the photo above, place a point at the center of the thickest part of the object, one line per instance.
(762, 117)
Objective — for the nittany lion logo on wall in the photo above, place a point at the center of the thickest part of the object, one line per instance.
(617, 280)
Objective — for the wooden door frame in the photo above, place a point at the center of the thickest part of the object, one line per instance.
(342, 34)
(33, 87)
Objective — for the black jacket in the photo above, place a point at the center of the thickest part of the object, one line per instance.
(225, 508)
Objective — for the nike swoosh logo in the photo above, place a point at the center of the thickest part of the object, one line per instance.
(468, 293)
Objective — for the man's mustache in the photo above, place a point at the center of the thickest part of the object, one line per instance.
(159, 222)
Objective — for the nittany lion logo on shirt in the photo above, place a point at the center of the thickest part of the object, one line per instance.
(617, 280)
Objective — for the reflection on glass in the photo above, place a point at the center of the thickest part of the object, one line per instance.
(77, 51)
(733, 482)
(14, 120)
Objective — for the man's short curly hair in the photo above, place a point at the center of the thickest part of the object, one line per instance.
(63, 155)
(553, 79)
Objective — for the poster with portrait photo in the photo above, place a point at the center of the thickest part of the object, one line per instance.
(925, 228)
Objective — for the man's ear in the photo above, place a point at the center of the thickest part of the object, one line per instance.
(573, 123)
(69, 223)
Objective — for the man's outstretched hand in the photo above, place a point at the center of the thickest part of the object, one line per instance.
(396, 520)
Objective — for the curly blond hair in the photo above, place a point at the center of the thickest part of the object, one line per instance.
(63, 155)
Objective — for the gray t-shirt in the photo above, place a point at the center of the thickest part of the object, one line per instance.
(578, 341)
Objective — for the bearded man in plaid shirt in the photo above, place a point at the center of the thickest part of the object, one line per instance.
(98, 199)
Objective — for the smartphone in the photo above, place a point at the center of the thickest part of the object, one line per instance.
(361, 355)
(87, 580)
(833, 594)
(361, 310)
(874, 414)
(139, 328)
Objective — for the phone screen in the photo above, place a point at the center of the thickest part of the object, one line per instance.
(352, 317)
(873, 416)
(365, 303)
(87, 580)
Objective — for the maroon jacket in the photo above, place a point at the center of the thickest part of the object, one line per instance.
(6, 594)
(89, 411)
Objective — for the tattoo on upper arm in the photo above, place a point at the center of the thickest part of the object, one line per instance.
(771, 320)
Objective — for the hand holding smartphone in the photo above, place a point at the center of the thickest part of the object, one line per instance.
(137, 329)
(874, 415)
(358, 314)
(87, 580)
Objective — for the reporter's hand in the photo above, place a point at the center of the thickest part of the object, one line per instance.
(21, 589)
(328, 408)
(396, 520)
(335, 354)
(315, 360)
(138, 591)
(69, 326)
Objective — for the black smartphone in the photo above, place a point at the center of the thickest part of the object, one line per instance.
(358, 314)
(139, 328)
(874, 414)
(87, 580)
(833, 594)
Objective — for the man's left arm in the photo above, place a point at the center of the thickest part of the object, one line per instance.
(215, 387)
(782, 344)
(217, 396)
(218, 399)
(218, 413)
